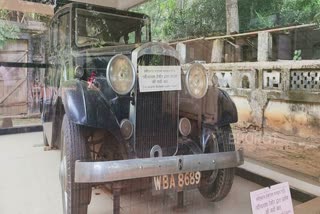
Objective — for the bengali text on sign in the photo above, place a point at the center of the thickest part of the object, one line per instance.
(273, 200)
(159, 78)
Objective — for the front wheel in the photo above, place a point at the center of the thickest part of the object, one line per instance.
(215, 185)
(75, 196)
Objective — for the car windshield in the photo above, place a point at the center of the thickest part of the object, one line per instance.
(98, 28)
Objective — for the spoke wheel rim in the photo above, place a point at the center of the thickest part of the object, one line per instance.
(213, 149)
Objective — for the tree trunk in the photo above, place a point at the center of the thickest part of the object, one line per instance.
(217, 54)
(232, 16)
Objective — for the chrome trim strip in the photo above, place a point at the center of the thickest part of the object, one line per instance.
(107, 171)
(154, 48)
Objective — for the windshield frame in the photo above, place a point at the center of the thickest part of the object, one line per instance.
(114, 13)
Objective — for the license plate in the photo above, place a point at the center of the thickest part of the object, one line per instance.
(176, 182)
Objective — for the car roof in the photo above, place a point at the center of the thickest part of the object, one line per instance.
(101, 9)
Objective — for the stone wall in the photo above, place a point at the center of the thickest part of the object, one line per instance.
(278, 105)
(277, 98)
(284, 96)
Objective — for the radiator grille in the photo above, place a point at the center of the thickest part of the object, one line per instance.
(157, 115)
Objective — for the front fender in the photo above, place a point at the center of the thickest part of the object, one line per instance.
(88, 107)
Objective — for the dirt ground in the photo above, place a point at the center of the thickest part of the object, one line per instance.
(298, 154)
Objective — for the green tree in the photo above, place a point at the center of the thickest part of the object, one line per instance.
(200, 18)
(7, 31)
(257, 14)
(158, 11)
(299, 11)
(173, 19)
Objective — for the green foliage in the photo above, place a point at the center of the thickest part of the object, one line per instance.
(200, 18)
(286, 12)
(8, 32)
(39, 17)
(174, 19)
(158, 11)
(263, 21)
(297, 55)
(257, 14)
(299, 11)
(4, 14)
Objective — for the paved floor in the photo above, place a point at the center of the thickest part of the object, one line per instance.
(29, 184)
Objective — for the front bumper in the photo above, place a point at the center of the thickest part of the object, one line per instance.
(106, 171)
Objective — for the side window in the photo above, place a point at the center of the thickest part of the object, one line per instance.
(132, 37)
(66, 73)
(46, 76)
(54, 35)
(63, 31)
(49, 75)
(138, 36)
(144, 34)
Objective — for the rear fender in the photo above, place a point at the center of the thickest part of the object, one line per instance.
(218, 108)
(227, 111)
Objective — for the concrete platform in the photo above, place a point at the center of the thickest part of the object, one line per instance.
(310, 207)
(29, 184)
(278, 174)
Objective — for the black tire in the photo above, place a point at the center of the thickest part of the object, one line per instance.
(56, 137)
(215, 185)
(75, 197)
(57, 123)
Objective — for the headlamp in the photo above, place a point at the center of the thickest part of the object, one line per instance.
(78, 72)
(121, 74)
(197, 81)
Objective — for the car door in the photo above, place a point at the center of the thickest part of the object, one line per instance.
(59, 43)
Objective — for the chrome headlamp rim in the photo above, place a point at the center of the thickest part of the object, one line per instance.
(132, 69)
(78, 71)
(184, 122)
(126, 136)
(187, 80)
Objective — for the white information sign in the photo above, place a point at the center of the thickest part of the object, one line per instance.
(273, 200)
(159, 78)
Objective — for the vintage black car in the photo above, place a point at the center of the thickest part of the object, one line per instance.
(120, 107)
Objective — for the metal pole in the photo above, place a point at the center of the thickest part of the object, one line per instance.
(116, 189)
(180, 204)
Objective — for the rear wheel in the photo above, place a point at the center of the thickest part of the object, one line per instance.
(215, 185)
(75, 197)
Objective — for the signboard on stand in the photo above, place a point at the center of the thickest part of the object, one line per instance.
(159, 78)
(273, 200)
